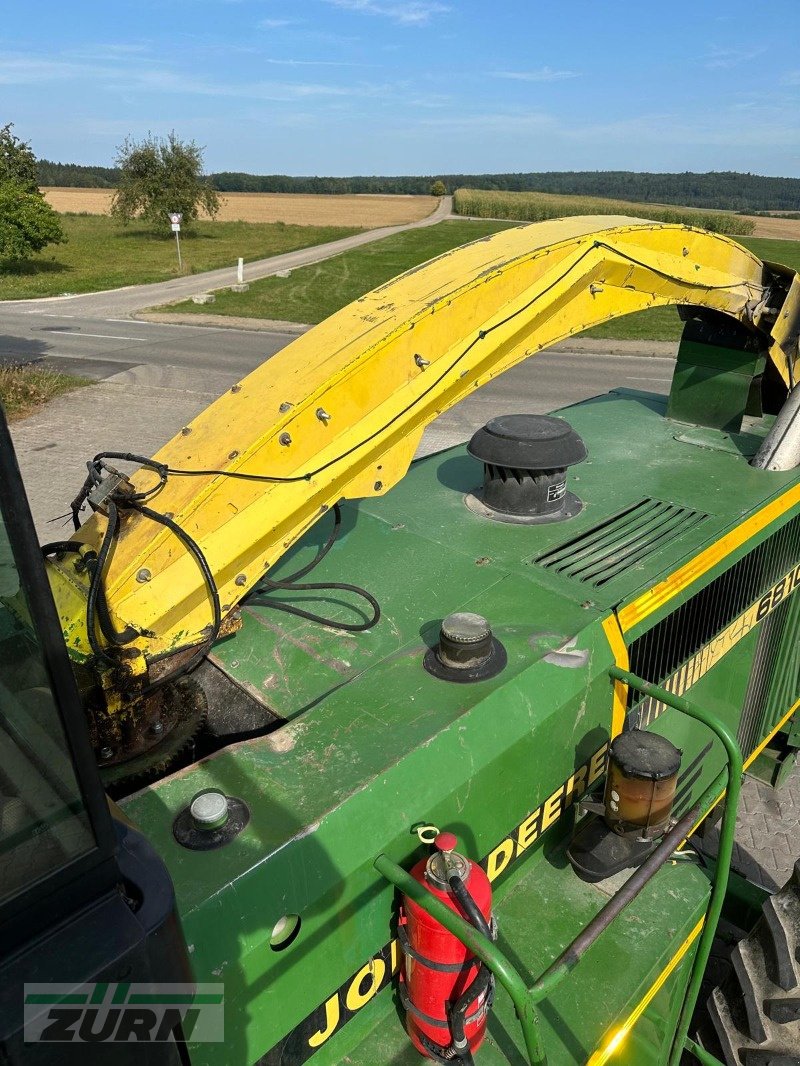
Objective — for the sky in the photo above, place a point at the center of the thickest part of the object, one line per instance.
(340, 87)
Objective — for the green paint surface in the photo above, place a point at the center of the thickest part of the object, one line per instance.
(373, 745)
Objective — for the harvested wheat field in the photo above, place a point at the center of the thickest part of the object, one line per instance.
(784, 229)
(303, 209)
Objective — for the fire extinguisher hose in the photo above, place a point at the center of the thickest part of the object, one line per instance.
(480, 986)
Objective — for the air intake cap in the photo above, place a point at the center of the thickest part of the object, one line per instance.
(525, 460)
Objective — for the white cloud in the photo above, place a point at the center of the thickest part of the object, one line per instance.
(404, 12)
(277, 24)
(542, 74)
(723, 58)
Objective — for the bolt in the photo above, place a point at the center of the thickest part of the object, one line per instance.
(284, 407)
(186, 431)
(233, 455)
(236, 388)
(378, 486)
(157, 728)
(241, 579)
(143, 575)
(169, 514)
(106, 753)
(421, 361)
(323, 415)
(285, 440)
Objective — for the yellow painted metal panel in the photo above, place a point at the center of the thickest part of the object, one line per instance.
(382, 368)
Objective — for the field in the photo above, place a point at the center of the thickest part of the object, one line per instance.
(100, 254)
(312, 293)
(364, 212)
(537, 206)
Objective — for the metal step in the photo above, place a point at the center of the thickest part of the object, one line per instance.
(755, 1022)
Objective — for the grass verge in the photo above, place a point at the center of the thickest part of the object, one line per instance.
(25, 388)
(538, 206)
(312, 293)
(100, 254)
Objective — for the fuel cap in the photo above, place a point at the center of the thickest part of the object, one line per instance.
(467, 650)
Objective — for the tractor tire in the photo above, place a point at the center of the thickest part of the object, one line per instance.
(755, 1012)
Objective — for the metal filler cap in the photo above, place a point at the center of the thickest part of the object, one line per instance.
(211, 820)
(467, 650)
(209, 810)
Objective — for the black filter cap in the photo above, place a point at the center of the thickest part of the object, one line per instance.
(639, 753)
(528, 442)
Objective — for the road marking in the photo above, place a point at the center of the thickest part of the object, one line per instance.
(99, 336)
(129, 321)
(47, 314)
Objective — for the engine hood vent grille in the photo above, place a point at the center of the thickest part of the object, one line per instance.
(602, 553)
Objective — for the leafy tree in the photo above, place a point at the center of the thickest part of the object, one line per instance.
(17, 161)
(27, 223)
(438, 188)
(159, 175)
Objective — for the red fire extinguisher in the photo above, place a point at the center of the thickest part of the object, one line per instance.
(446, 991)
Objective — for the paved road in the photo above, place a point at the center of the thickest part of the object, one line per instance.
(99, 347)
(122, 302)
(153, 378)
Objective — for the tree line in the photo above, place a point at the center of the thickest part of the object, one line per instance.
(729, 190)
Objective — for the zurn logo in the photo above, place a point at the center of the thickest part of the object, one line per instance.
(109, 1013)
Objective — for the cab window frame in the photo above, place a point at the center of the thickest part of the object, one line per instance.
(90, 875)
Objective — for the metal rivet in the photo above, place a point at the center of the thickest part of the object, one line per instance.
(284, 407)
(169, 514)
(157, 728)
(233, 455)
(236, 388)
(241, 579)
(421, 362)
(378, 486)
(106, 754)
(285, 440)
(186, 431)
(323, 415)
(143, 575)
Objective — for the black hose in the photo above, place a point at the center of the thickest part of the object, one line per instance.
(96, 565)
(469, 906)
(310, 616)
(483, 978)
(60, 547)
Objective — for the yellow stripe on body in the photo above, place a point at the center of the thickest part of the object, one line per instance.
(620, 652)
(681, 579)
(615, 1041)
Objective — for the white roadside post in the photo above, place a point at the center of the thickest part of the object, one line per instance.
(175, 218)
(240, 271)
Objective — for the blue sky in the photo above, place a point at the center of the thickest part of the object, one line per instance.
(411, 86)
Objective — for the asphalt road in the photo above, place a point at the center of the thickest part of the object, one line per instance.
(100, 347)
(153, 378)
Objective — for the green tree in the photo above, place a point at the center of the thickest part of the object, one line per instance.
(438, 188)
(27, 222)
(17, 161)
(159, 175)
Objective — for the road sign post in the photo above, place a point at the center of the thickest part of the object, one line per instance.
(176, 218)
